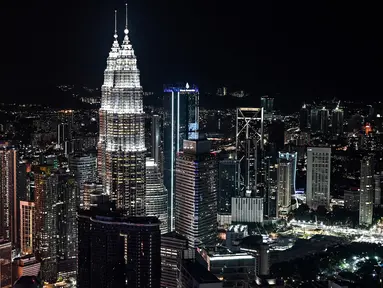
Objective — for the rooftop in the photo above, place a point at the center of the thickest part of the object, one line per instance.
(200, 273)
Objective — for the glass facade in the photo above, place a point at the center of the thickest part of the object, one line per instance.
(181, 122)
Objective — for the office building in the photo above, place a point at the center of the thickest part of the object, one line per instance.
(121, 147)
(84, 168)
(118, 251)
(337, 121)
(5, 263)
(196, 193)
(228, 184)
(351, 199)
(8, 193)
(156, 196)
(285, 179)
(318, 177)
(267, 103)
(247, 210)
(172, 248)
(27, 227)
(366, 191)
(181, 122)
(304, 118)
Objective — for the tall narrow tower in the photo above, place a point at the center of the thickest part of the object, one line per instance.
(121, 147)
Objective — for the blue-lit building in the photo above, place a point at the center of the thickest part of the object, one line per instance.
(293, 157)
(181, 121)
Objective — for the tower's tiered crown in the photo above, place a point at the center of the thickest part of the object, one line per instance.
(121, 147)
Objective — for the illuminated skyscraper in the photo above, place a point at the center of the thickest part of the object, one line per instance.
(318, 177)
(196, 193)
(8, 187)
(56, 204)
(46, 221)
(366, 191)
(121, 147)
(285, 184)
(27, 227)
(84, 169)
(181, 122)
(156, 195)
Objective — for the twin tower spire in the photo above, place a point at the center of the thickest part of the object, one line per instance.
(125, 44)
(126, 31)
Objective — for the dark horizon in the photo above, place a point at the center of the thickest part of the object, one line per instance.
(300, 50)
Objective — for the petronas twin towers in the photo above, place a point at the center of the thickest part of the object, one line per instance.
(121, 147)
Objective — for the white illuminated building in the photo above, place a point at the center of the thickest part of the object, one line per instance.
(156, 195)
(121, 147)
(318, 177)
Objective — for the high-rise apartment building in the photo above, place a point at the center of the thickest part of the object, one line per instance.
(118, 251)
(366, 191)
(56, 202)
(27, 227)
(181, 122)
(8, 193)
(318, 177)
(156, 196)
(196, 193)
(121, 147)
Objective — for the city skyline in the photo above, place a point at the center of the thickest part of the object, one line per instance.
(198, 172)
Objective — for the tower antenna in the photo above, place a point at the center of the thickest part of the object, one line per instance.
(115, 23)
(126, 31)
(126, 15)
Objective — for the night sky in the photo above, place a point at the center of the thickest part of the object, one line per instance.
(301, 49)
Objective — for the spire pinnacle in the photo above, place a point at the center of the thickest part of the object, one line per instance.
(126, 31)
(115, 24)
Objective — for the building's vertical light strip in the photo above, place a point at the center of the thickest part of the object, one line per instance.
(172, 168)
(178, 122)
